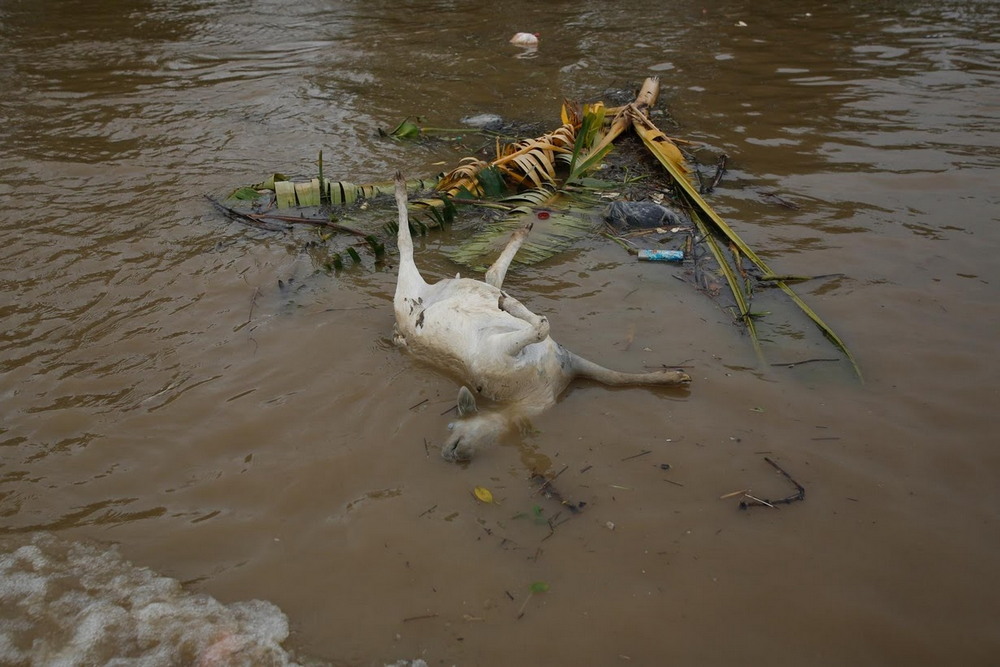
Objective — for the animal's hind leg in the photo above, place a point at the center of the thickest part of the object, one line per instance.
(516, 341)
(498, 271)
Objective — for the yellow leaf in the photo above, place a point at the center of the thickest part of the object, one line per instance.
(482, 494)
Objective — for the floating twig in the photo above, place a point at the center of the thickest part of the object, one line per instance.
(756, 499)
(419, 618)
(419, 404)
(792, 364)
(635, 456)
(800, 491)
(777, 199)
(253, 302)
(246, 218)
(546, 482)
(317, 222)
(427, 511)
(550, 492)
(771, 277)
(720, 170)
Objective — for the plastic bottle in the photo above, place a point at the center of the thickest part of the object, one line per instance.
(661, 255)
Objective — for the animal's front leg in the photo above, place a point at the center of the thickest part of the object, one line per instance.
(516, 341)
(497, 272)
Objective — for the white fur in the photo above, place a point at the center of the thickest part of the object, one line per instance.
(491, 342)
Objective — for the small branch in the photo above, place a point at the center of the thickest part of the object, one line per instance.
(779, 201)
(755, 499)
(318, 222)
(801, 489)
(419, 618)
(635, 456)
(520, 612)
(702, 188)
(790, 364)
(550, 492)
(253, 302)
(261, 220)
(771, 277)
(246, 218)
(720, 169)
(622, 242)
(799, 495)
(545, 482)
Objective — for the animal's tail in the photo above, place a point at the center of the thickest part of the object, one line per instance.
(592, 371)
(408, 273)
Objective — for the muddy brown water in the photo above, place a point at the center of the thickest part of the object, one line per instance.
(161, 392)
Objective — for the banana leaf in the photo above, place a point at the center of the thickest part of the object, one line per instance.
(315, 192)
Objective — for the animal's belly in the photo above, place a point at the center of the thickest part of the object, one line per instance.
(464, 341)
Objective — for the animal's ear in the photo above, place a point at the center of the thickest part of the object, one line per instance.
(466, 402)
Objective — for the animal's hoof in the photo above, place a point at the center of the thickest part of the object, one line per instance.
(455, 453)
(679, 377)
(542, 328)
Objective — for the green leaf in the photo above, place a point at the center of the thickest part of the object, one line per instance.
(245, 194)
(377, 246)
(581, 161)
(539, 587)
(269, 183)
(492, 183)
(406, 130)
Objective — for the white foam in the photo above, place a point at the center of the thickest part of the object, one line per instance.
(65, 603)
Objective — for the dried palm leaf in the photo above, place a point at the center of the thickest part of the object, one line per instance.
(465, 176)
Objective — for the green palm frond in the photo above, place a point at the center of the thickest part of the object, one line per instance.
(551, 234)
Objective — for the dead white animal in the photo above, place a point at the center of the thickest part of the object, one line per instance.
(493, 343)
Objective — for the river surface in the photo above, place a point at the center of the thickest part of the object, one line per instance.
(162, 391)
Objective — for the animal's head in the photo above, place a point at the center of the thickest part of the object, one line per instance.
(472, 430)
